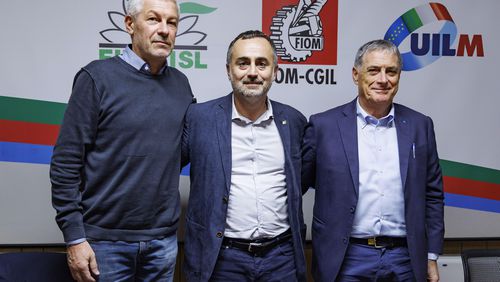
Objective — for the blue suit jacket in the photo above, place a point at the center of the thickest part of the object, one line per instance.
(331, 165)
(207, 145)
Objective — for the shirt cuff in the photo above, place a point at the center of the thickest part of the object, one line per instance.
(432, 256)
(74, 242)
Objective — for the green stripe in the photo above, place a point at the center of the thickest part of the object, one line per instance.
(28, 110)
(195, 8)
(472, 172)
(411, 20)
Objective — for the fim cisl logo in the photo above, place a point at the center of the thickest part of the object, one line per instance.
(426, 48)
(186, 54)
(304, 33)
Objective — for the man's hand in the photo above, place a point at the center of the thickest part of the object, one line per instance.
(82, 262)
(432, 271)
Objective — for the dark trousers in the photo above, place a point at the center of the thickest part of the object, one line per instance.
(366, 263)
(236, 265)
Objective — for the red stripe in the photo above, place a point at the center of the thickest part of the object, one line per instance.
(28, 132)
(472, 188)
(441, 12)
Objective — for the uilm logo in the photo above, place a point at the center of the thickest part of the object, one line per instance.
(426, 48)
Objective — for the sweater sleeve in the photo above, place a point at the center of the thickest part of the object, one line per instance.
(76, 136)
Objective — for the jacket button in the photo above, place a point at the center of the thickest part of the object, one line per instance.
(225, 200)
(219, 234)
(344, 240)
(352, 209)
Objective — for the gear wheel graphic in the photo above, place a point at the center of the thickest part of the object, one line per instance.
(280, 28)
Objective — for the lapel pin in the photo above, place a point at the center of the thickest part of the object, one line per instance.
(283, 122)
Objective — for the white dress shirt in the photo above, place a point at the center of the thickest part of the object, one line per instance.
(257, 206)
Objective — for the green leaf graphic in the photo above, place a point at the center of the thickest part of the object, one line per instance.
(195, 8)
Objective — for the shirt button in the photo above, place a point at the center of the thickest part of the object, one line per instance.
(219, 234)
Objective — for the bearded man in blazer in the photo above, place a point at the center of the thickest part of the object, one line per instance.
(244, 218)
(378, 211)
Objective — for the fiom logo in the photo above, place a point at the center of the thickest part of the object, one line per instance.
(304, 31)
(188, 47)
(426, 48)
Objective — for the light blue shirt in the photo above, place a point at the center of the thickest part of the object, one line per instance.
(381, 207)
(380, 210)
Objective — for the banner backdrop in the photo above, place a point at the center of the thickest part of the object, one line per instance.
(450, 51)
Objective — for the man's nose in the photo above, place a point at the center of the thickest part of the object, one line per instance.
(164, 29)
(382, 77)
(252, 70)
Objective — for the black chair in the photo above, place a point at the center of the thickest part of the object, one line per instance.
(39, 267)
(481, 265)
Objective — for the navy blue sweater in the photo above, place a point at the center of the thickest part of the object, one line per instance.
(116, 164)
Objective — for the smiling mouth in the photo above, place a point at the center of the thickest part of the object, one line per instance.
(253, 83)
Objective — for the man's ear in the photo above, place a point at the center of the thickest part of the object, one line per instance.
(355, 75)
(129, 24)
(227, 71)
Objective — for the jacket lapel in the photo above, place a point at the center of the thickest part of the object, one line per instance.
(405, 145)
(349, 134)
(223, 124)
(281, 121)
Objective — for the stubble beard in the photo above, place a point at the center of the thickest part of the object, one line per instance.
(249, 93)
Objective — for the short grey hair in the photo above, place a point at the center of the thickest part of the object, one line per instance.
(134, 7)
(377, 45)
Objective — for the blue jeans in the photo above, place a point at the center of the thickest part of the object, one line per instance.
(136, 261)
(236, 265)
(365, 263)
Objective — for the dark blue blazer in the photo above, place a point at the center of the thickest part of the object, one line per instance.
(207, 145)
(331, 166)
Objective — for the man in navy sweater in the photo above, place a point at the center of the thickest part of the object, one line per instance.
(116, 163)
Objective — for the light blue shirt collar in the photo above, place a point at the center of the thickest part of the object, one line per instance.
(130, 57)
(387, 120)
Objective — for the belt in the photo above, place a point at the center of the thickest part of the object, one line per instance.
(380, 242)
(257, 247)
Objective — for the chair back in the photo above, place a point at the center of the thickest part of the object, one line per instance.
(481, 265)
(36, 266)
